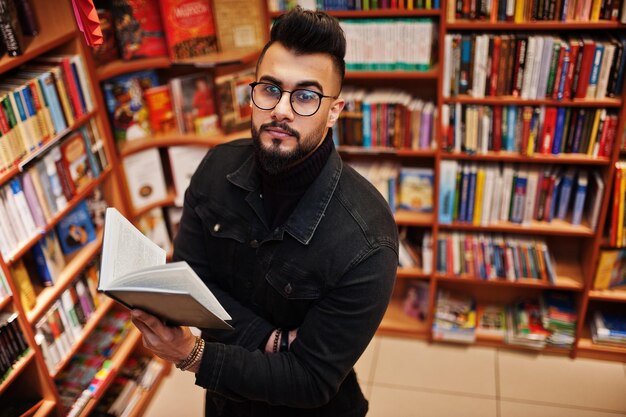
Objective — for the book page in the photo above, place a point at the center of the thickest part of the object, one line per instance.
(125, 249)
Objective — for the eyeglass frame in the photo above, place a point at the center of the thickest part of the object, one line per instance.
(282, 91)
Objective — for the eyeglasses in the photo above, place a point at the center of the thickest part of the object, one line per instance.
(303, 102)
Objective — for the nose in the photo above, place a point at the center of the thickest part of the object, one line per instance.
(283, 110)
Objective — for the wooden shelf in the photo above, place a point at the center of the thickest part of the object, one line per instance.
(46, 409)
(518, 101)
(74, 267)
(587, 349)
(411, 273)
(385, 151)
(556, 227)
(613, 295)
(413, 218)
(235, 56)
(25, 246)
(431, 74)
(169, 200)
(119, 67)
(364, 14)
(396, 323)
(504, 156)
(87, 329)
(482, 25)
(5, 302)
(18, 368)
(562, 284)
(55, 30)
(179, 139)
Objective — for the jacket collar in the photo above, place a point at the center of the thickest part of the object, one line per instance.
(303, 222)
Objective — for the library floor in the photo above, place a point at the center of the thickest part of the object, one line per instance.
(405, 377)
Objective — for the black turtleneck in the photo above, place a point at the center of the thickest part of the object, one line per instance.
(281, 192)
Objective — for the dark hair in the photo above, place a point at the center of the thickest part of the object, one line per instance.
(309, 32)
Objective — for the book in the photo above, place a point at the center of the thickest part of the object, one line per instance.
(24, 286)
(490, 321)
(237, 30)
(125, 104)
(611, 270)
(145, 178)
(48, 257)
(138, 28)
(233, 100)
(75, 157)
(76, 229)
(10, 28)
(189, 28)
(416, 189)
(107, 51)
(192, 100)
(160, 112)
(152, 225)
(183, 162)
(134, 273)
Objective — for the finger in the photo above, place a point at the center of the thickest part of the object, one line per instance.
(149, 320)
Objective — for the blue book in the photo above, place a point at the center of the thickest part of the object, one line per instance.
(558, 130)
(471, 195)
(578, 130)
(367, 124)
(579, 197)
(511, 120)
(76, 229)
(595, 70)
(520, 183)
(464, 194)
(466, 55)
(93, 162)
(563, 77)
(610, 325)
(567, 184)
(46, 81)
(617, 91)
(447, 188)
(21, 113)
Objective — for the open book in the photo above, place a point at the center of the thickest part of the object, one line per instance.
(134, 273)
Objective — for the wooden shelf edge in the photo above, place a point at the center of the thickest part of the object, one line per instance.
(119, 66)
(483, 25)
(504, 156)
(378, 150)
(46, 408)
(18, 368)
(560, 228)
(412, 273)
(346, 14)
(75, 266)
(169, 200)
(414, 218)
(518, 101)
(525, 283)
(587, 349)
(614, 295)
(38, 45)
(430, 74)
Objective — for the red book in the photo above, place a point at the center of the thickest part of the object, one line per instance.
(497, 128)
(189, 28)
(527, 115)
(608, 136)
(138, 28)
(574, 46)
(75, 162)
(520, 63)
(588, 51)
(559, 71)
(547, 132)
(549, 197)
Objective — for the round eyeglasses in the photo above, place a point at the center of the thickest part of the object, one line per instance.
(303, 102)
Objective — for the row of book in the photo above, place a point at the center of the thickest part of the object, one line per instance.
(17, 21)
(380, 44)
(408, 188)
(30, 201)
(360, 5)
(5, 290)
(494, 257)
(90, 367)
(62, 325)
(616, 224)
(533, 66)
(611, 269)
(549, 319)
(520, 11)
(40, 101)
(139, 106)
(13, 344)
(134, 380)
(528, 130)
(385, 118)
(412, 248)
(484, 194)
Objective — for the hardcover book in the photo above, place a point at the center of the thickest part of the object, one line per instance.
(192, 99)
(233, 98)
(416, 189)
(76, 229)
(183, 161)
(144, 175)
(189, 28)
(134, 273)
(160, 111)
(76, 161)
(138, 28)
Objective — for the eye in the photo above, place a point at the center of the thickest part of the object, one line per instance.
(305, 96)
(271, 90)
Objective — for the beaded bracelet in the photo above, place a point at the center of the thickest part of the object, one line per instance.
(284, 342)
(192, 358)
(276, 340)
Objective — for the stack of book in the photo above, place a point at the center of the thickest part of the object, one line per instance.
(494, 257)
(386, 118)
(608, 328)
(559, 317)
(13, 344)
(484, 194)
(524, 325)
(528, 130)
(533, 66)
(455, 318)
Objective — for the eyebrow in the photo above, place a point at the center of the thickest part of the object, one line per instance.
(300, 84)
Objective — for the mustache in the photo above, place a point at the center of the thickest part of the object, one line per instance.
(282, 126)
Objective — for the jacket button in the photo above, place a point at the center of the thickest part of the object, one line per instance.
(288, 289)
(217, 227)
(254, 243)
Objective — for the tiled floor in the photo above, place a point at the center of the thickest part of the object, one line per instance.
(406, 377)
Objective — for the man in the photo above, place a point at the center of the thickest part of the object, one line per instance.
(299, 249)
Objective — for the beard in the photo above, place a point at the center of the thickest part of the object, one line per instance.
(272, 159)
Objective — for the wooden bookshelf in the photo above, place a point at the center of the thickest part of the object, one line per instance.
(518, 101)
(516, 157)
(119, 67)
(555, 227)
(531, 26)
(616, 295)
(147, 396)
(366, 14)
(18, 368)
(411, 273)
(167, 201)
(397, 323)
(413, 218)
(430, 74)
(45, 409)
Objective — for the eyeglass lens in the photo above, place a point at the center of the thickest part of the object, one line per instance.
(303, 102)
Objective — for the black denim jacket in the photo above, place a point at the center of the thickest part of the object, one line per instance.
(328, 272)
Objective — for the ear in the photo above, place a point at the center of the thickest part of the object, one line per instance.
(334, 112)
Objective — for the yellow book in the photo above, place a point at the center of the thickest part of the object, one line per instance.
(620, 213)
(520, 5)
(595, 10)
(607, 260)
(478, 202)
(594, 131)
(409, 4)
(25, 289)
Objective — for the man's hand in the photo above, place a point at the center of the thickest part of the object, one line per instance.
(170, 343)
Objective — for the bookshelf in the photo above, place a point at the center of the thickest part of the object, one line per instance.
(575, 248)
(30, 380)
